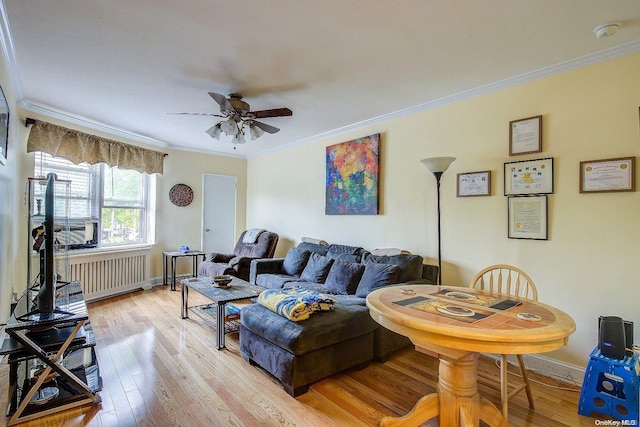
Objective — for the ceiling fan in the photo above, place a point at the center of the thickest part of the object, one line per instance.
(237, 115)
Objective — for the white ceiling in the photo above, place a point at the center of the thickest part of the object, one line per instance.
(121, 65)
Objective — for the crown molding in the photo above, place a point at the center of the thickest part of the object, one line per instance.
(8, 52)
(90, 124)
(110, 130)
(562, 67)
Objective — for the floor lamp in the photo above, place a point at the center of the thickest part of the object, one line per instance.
(437, 166)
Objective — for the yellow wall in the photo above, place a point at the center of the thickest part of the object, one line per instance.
(178, 226)
(175, 226)
(9, 197)
(590, 264)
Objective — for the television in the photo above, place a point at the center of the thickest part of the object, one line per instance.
(47, 292)
(50, 246)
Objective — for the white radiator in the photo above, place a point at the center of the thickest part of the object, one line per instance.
(104, 274)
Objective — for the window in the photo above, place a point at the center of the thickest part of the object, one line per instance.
(116, 199)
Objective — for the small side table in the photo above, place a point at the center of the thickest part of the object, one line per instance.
(172, 256)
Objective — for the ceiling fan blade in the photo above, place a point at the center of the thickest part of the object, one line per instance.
(265, 127)
(199, 114)
(274, 112)
(222, 100)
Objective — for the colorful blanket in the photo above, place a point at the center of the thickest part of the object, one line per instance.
(296, 303)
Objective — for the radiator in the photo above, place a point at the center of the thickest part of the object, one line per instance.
(104, 274)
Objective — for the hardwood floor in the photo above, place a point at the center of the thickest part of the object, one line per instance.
(159, 370)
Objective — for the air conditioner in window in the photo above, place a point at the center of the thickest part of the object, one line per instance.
(83, 235)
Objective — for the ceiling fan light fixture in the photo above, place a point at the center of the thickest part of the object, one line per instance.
(238, 139)
(255, 132)
(237, 115)
(229, 127)
(214, 131)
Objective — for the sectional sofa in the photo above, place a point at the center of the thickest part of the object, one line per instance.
(300, 353)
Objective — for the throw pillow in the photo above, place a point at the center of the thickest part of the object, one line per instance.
(344, 277)
(345, 253)
(376, 276)
(294, 261)
(410, 266)
(316, 269)
(312, 247)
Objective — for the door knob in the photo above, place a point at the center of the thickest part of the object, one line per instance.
(207, 229)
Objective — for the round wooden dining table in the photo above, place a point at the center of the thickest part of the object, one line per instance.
(456, 324)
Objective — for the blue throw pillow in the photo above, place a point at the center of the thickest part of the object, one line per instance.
(345, 253)
(376, 276)
(316, 269)
(344, 277)
(313, 247)
(410, 266)
(294, 261)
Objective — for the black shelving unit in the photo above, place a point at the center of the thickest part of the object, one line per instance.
(52, 360)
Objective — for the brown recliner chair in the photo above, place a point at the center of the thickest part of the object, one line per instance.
(252, 244)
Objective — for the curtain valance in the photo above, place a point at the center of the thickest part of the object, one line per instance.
(80, 147)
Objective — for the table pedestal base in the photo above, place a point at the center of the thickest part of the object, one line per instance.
(457, 402)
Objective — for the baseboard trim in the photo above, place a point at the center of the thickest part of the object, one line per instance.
(571, 374)
(155, 281)
(567, 372)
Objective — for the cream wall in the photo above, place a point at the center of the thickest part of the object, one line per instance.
(9, 196)
(174, 226)
(590, 264)
(178, 226)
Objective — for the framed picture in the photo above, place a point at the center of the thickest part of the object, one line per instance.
(528, 177)
(352, 177)
(4, 127)
(525, 136)
(472, 184)
(528, 217)
(608, 175)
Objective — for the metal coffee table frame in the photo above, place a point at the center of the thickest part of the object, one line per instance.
(238, 289)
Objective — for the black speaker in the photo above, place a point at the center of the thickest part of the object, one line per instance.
(611, 337)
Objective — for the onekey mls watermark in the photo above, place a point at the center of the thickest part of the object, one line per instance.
(616, 422)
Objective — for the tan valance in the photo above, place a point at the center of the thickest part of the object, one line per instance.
(80, 147)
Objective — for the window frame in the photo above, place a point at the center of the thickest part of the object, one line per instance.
(97, 202)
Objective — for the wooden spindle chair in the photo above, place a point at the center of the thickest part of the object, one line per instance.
(508, 280)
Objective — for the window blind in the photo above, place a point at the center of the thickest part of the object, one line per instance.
(84, 189)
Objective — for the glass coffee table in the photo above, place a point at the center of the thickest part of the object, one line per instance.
(237, 290)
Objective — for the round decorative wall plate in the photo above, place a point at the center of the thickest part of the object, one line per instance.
(181, 195)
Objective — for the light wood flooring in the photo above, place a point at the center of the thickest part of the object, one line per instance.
(159, 370)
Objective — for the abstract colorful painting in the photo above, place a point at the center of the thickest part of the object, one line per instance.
(352, 177)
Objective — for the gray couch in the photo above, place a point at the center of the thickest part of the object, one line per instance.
(300, 353)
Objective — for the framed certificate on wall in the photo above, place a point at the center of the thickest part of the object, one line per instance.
(528, 217)
(608, 175)
(472, 184)
(525, 136)
(528, 177)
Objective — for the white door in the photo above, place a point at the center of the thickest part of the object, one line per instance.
(218, 213)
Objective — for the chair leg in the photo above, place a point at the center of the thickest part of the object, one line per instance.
(504, 389)
(527, 387)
